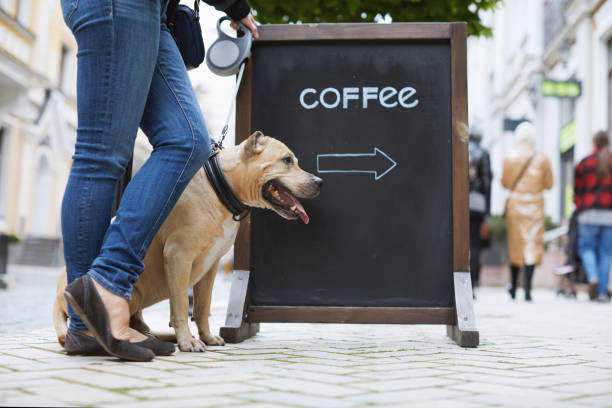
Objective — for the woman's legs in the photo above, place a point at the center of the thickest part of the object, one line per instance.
(605, 258)
(514, 272)
(588, 242)
(118, 43)
(173, 122)
(529, 269)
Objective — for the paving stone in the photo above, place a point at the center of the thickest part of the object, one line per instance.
(198, 390)
(223, 351)
(8, 360)
(103, 380)
(34, 353)
(184, 357)
(530, 382)
(592, 387)
(160, 363)
(492, 371)
(400, 374)
(306, 386)
(593, 400)
(402, 397)
(17, 398)
(309, 375)
(137, 372)
(570, 378)
(318, 368)
(210, 376)
(405, 384)
(511, 391)
(29, 383)
(325, 355)
(300, 400)
(451, 403)
(76, 393)
(491, 400)
(206, 401)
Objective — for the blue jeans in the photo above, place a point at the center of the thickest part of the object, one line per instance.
(595, 246)
(130, 74)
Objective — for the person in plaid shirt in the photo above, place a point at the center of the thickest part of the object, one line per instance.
(593, 200)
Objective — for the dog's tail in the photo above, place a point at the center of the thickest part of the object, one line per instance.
(60, 310)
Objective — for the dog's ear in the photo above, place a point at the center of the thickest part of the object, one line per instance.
(254, 144)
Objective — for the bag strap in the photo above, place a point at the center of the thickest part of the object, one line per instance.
(196, 9)
(522, 172)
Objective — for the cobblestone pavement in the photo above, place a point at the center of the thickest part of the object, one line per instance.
(553, 352)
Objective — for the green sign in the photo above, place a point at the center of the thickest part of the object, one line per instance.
(569, 201)
(561, 89)
(567, 139)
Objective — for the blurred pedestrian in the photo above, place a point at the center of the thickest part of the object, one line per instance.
(593, 200)
(480, 200)
(526, 174)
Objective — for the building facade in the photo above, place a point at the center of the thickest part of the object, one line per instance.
(549, 62)
(37, 119)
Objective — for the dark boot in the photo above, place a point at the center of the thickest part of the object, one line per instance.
(593, 289)
(514, 271)
(528, 277)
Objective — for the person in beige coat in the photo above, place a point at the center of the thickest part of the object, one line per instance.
(526, 174)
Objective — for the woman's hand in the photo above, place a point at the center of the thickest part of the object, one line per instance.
(249, 22)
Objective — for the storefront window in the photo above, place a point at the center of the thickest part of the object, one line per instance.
(2, 172)
(5, 5)
(23, 12)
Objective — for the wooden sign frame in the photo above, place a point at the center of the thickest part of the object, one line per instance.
(243, 318)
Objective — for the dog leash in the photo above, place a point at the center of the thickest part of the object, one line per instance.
(218, 145)
(213, 170)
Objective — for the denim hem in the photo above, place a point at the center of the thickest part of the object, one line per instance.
(108, 286)
(77, 329)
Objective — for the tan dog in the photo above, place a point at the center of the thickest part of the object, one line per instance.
(263, 173)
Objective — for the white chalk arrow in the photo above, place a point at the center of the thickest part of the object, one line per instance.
(378, 163)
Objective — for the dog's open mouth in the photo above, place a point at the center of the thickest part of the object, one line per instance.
(284, 201)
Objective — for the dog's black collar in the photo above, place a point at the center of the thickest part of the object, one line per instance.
(223, 190)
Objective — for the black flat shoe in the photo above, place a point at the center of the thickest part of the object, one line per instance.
(85, 301)
(160, 348)
(82, 344)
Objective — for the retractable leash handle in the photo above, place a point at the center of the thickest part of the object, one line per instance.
(228, 56)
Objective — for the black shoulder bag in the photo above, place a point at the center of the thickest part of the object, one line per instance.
(184, 25)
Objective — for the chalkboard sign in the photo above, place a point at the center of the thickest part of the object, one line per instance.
(379, 112)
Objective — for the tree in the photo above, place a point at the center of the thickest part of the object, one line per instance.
(363, 11)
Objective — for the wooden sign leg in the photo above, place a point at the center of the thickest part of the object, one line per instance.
(464, 332)
(236, 328)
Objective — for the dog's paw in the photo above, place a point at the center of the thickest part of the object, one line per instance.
(193, 345)
(211, 340)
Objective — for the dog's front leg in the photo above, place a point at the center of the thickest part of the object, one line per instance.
(202, 294)
(178, 269)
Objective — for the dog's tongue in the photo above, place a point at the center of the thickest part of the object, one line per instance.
(301, 212)
(299, 209)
